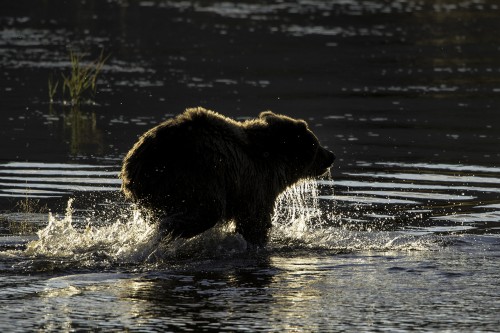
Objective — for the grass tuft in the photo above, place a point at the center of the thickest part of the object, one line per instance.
(27, 207)
(81, 82)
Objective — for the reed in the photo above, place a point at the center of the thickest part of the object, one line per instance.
(52, 89)
(81, 82)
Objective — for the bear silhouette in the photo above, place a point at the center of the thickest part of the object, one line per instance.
(201, 168)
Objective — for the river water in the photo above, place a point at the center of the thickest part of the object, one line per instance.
(404, 235)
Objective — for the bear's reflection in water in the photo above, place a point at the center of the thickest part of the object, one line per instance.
(201, 168)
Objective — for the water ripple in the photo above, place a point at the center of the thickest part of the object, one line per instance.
(46, 180)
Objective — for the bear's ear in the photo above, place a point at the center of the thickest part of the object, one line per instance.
(267, 115)
(272, 118)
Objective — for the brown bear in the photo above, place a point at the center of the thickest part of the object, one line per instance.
(200, 168)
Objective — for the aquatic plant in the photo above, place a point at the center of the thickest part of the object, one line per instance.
(52, 89)
(81, 82)
(27, 208)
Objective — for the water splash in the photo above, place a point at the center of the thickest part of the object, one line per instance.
(132, 239)
(301, 221)
(121, 241)
(297, 210)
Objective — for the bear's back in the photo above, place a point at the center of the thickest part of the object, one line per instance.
(196, 129)
(195, 137)
(198, 146)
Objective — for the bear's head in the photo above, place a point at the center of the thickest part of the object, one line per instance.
(295, 145)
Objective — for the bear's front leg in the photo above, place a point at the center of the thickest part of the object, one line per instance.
(254, 228)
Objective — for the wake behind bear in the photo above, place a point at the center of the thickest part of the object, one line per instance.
(201, 168)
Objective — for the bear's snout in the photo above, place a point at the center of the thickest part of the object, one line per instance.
(324, 159)
(330, 157)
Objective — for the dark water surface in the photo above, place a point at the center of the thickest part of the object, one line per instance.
(403, 237)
